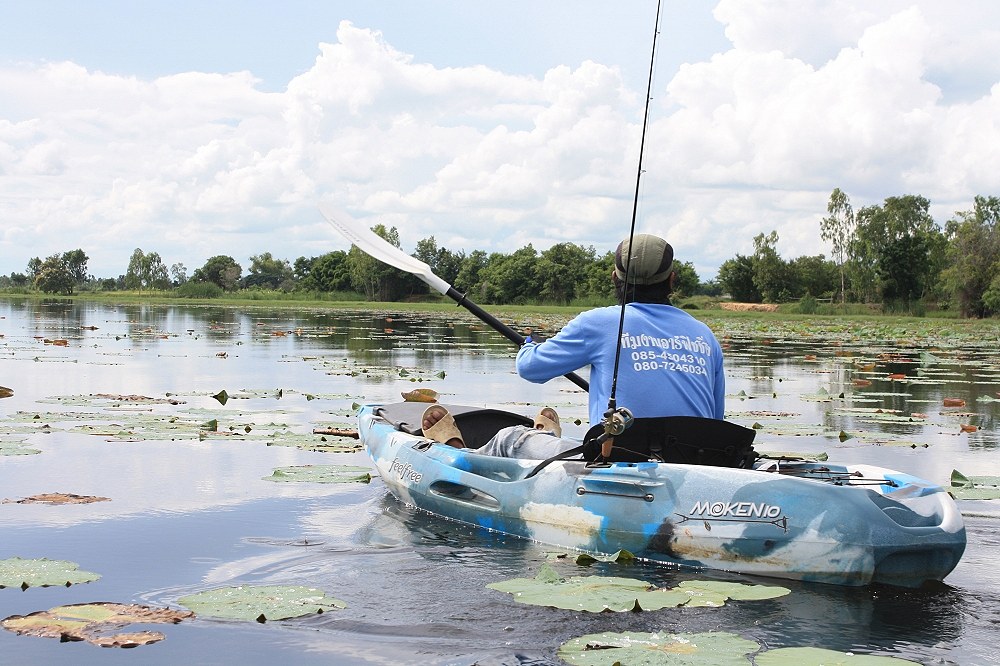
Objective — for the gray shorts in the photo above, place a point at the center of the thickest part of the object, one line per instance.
(525, 442)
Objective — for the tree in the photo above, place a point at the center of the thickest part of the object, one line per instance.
(711, 288)
(686, 281)
(899, 284)
(443, 262)
(562, 270)
(146, 271)
(220, 269)
(469, 273)
(328, 272)
(599, 286)
(511, 278)
(302, 267)
(34, 267)
(54, 277)
(815, 276)
(377, 281)
(269, 273)
(883, 236)
(770, 272)
(76, 264)
(178, 274)
(134, 274)
(736, 277)
(838, 229)
(973, 257)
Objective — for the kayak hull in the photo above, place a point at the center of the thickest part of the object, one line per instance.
(840, 524)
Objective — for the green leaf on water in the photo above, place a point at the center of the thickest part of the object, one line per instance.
(713, 648)
(322, 474)
(318, 443)
(261, 602)
(787, 455)
(974, 487)
(812, 656)
(586, 559)
(596, 594)
(734, 591)
(211, 426)
(42, 572)
(222, 397)
(822, 395)
(16, 448)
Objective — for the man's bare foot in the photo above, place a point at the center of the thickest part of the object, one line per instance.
(438, 424)
(547, 419)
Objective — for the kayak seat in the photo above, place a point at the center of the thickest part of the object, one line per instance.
(477, 424)
(689, 440)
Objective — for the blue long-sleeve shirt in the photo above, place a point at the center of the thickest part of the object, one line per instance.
(670, 365)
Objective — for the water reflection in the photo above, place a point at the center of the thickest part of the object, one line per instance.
(187, 515)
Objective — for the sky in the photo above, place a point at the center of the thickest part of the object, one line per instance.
(194, 129)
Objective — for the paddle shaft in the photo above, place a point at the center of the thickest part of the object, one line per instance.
(503, 329)
(375, 246)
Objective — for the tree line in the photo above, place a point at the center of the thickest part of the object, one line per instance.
(893, 254)
(563, 274)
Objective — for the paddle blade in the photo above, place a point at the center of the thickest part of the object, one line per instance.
(374, 245)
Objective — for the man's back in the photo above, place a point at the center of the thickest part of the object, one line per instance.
(670, 363)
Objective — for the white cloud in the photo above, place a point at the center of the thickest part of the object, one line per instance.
(879, 100)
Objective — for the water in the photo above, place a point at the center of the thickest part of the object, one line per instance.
(189, 515)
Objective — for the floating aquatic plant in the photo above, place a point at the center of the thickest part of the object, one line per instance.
(261, 602)
(595, 594)
(322, 474)
(713, 648)
(974, 487)
(42, 572)
(95, 623)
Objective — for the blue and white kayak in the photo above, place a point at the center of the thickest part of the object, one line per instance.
(841, 524)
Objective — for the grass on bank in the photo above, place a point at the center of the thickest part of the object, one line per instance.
(703, 307)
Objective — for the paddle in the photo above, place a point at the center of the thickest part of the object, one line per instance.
(374, 245)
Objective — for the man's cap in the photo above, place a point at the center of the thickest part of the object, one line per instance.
(651, 259)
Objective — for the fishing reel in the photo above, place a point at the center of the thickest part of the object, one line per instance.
(616, 421)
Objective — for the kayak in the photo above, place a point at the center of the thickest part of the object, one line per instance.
(783, 517)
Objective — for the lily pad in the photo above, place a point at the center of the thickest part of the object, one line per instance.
(42, 572)
(312, 442)
(596, 594)
(92, 622)
(322, 474)
(713, 648)
(16, 449)
(716, 592)
(974, 487)
(59, 498)
(261, 602)
(586, 559)
(420, 395)
(790, 455)
(812, 656)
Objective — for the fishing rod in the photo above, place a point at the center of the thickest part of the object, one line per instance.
(617, 420)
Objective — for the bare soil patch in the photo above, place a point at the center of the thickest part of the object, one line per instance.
(749, 307)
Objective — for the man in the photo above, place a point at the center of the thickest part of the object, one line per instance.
(669, 364)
